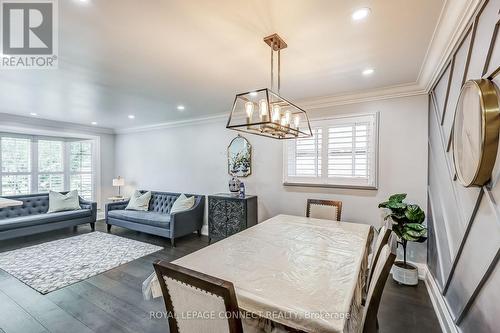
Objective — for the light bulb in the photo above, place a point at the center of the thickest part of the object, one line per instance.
(276, 113)
(288, 116)
(263, 107)
(296, 121)
(249, 109)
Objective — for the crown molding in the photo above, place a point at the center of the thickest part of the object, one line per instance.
(455, 18)
(170, 124)
(396, 91)
(51, 125)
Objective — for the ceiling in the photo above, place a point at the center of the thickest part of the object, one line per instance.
(122, 57)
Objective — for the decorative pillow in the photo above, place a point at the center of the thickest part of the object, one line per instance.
(62, 202)
(139, 201)
(182, 203)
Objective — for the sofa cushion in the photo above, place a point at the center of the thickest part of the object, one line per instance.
(139, 201)
(59, 202)
(182, 204)
(31, 220)
(149, 218)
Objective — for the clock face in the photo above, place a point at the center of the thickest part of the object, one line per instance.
(475, 132)
(467, 133)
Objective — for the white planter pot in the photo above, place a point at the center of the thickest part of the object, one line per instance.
(407, 275)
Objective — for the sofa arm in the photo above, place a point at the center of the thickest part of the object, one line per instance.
(188, 221)
(84, 204)
(118, 205)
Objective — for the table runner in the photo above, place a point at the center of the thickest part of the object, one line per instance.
(304, 273)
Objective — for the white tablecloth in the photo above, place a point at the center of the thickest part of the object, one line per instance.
(307, 274)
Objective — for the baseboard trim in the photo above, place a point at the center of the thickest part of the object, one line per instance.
(438, 302)
(204, 230)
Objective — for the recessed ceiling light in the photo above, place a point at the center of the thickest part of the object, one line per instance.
(94, 123)
(181, 107)
(131, 116)
(253, 93)
(34, 114)
(361, 13)
(368, 71)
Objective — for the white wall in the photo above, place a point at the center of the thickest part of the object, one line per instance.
(193, 159)
(28, 125)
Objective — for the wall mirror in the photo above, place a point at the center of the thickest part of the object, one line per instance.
(239, 157)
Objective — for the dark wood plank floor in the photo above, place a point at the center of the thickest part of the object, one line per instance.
(112, 301)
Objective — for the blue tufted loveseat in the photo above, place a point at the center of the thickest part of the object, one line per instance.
(158, 220)
(32, 216)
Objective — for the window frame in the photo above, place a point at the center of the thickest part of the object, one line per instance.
(34, 173)
(336, 182)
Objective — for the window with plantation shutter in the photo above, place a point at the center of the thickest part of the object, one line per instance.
(80, 158)
(50, 165)
(341, 153)
(15, 160)
(32, 164)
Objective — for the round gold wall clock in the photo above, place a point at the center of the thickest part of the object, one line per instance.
(475, 132)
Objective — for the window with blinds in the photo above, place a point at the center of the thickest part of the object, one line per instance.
(342, 152)
(30, 164)
(81, 168)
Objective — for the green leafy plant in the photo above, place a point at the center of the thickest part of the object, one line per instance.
(406, 220)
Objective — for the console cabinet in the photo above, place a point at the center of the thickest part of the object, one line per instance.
(229, 214)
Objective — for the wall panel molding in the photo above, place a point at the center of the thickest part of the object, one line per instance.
(465, 287)
(462, 243)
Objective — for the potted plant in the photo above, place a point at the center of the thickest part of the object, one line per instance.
(407, 224)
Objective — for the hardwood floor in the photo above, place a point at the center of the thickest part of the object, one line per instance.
(112, 301)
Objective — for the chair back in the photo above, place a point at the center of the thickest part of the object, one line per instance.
(212, 301)
(381, 272)
(382, 239)
(324, 209)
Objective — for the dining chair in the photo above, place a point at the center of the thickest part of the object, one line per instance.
(187, 292)
(382, 239)
(324, 209)
(381, 272)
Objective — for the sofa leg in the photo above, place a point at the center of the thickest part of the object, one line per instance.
(108, 226)
(92, 226)
(199, 232)
(75, 228)
(172, 242)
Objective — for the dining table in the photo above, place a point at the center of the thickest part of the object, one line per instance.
(5, 203)
(291, 272)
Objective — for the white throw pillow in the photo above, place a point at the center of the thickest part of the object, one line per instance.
(182, 203)
(139, 201)
(62, 202)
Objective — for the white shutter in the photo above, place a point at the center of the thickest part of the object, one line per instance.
(81, 171)
(349, 151)
(50, 165)
(15, 169)
(304, 156)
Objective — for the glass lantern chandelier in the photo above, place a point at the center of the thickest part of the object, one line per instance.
(265, 112)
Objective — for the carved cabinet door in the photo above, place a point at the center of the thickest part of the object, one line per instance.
(236, 216)
(217, 219)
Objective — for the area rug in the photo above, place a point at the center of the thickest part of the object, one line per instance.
(50, 266)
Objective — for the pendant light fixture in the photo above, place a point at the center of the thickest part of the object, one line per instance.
(265, 112)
